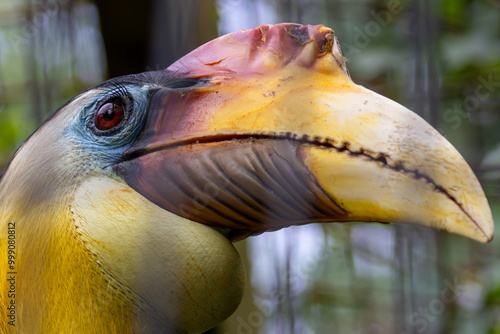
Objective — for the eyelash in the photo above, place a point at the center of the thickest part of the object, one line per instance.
(118, 90)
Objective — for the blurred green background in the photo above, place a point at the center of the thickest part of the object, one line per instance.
(439, 58)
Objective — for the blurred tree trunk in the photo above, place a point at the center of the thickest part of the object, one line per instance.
(126, 31)
(415, 248)
(179, 27)
(151, 34)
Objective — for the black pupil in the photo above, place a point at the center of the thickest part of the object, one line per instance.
(109, 114)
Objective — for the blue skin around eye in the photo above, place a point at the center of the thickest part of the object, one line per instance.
(107, 150)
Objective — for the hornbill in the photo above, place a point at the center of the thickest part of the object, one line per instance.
(118, 214)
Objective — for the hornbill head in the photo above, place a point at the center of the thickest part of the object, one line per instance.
(129, 196)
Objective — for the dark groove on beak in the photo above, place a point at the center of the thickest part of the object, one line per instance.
(320, 142)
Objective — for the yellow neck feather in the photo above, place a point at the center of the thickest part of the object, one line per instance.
(58, 286)
(106, 260)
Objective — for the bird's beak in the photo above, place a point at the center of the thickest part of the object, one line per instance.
(277, 134)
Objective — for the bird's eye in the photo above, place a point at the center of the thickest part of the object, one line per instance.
(109, 115)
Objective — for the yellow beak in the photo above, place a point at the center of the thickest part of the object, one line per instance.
(353, 155)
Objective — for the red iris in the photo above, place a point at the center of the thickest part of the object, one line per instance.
(109, 115)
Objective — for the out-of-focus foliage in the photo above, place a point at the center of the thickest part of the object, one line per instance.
(49, 51)
(439, 58)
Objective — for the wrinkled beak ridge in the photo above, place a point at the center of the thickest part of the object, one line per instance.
(280, 135)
